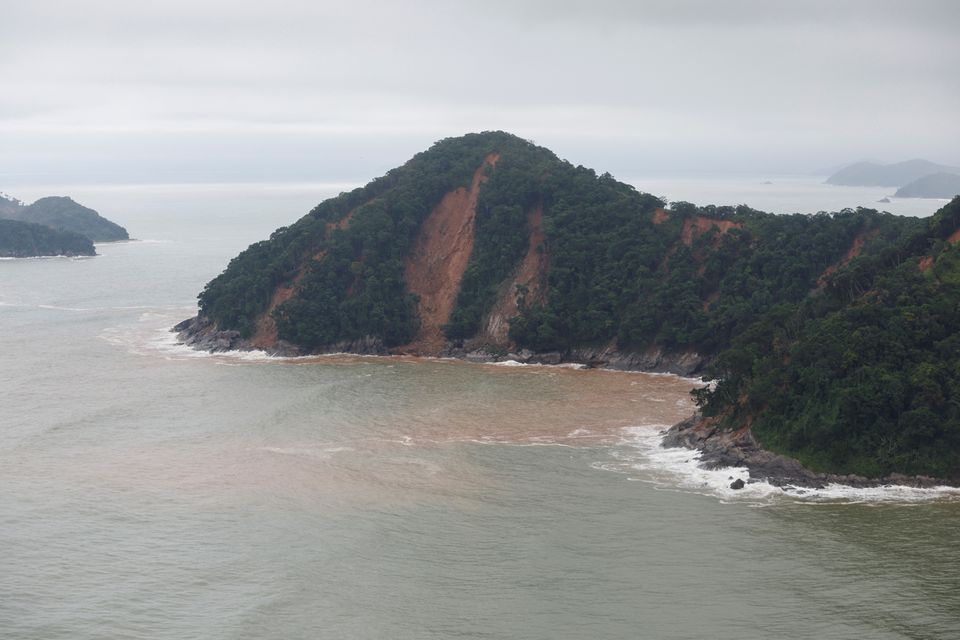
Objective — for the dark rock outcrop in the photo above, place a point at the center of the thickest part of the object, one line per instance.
(201, 334)
(719, 448)
(684, 363)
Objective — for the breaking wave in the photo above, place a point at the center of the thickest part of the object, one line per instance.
(641, 457)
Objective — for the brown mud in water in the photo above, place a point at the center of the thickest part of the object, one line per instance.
(380, 430)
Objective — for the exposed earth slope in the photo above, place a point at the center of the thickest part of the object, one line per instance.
(489, 246)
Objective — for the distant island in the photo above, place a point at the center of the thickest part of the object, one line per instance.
(937, 185)
(871, 174)
(53, 226)
(28, 240)
(833, 338)
(63, 214)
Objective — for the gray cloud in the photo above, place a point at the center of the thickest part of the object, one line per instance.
(274, 91)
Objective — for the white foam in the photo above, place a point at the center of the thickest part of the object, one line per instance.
(54, 307)
(508, 363)
(514, 363)
(679, 469)
(56, 257)
(312, 453)
(157, 339)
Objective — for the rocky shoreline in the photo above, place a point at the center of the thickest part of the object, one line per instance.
(201, 334)
(719, 448)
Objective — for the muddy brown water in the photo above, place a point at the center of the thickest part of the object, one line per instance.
(151, 492)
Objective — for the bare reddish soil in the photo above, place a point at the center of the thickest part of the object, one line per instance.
(692, 229)
(343, 222)
(266, 334)
(440, 254)
(698, 225)
(926, 262)
(531, 274)
(660, 216)
(954, 237)
(856, 248)
(713, 297)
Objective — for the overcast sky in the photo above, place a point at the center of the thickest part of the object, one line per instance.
(123, 91)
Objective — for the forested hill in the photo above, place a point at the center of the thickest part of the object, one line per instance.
(603, 263)
(63, 214)
(489, 242)
(936, 185)
(864, 376)
(25, 239)
(887, 175)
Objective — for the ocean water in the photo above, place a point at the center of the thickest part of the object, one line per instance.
(780, 193)
(149, 491)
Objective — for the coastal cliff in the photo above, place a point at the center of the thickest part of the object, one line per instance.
(487, 247)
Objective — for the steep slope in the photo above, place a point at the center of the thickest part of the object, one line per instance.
(863, 377)
(832, 336)
(527, 287)
(487, 241)
(435, 266)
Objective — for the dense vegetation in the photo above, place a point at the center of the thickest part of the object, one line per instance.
(66, 215)
(616, 276)
(63, 214)
(865, 376)
(24, 239)
(823, 330)
(352, 286)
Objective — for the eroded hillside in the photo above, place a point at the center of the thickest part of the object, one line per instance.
(832, 327)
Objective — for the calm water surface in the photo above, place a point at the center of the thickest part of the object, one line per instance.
(151, 492)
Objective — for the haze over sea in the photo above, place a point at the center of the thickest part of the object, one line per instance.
(149, 491)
